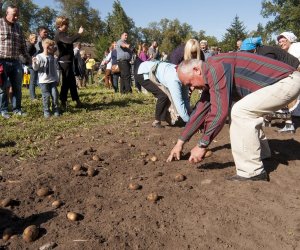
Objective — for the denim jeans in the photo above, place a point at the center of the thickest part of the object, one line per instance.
(115, 80)
(33, 83)
(14, 71)
(49, 90)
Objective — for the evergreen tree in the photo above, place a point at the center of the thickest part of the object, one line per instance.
(236, 31)
(118, 22)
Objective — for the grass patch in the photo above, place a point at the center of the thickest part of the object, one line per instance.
(25, 135)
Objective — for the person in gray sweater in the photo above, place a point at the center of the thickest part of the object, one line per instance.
(45, 64)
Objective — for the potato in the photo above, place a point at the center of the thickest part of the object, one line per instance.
(179, 177)
(44, 191)
(96, 158)
(73, 216)
(208, 153)
(153, 197)
(59, 137)
(31, 233)
(56, 204)
(7, 233)
(144, 154)
(161, 143)
(91, 171)
(6, 202)
(153, 158)
(77, 167)
(134, 186)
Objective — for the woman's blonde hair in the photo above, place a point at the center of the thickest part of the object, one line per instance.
(192, 46)
(32, 36)
(61, 20)
(48, 41)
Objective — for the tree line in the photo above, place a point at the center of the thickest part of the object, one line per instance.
(169, 33)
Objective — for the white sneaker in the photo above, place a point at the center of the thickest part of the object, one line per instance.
(288, 128)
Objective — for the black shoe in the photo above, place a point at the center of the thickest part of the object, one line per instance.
(78, 104)
(261, 177)
(63, 106)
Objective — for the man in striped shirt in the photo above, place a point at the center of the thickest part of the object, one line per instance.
(264, 84)
(12, 45)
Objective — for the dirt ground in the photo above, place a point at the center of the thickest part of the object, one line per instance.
(205, 211)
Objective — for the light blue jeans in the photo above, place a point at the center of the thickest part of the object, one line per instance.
(49, 90)
(13, 71)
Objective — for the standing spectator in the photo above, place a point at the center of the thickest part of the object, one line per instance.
(189, 50)
(124, 56)
(42, 34)
(45, 64)
(164, 57)
(238, 44)
(82, 69)
(114, 64)
(65, 59)
(79, 70)
(142, 56)
(143, 52)
(31, 48)
(89, 64)
(153, 51)
(205, 50)
(108, 75)
(12, 45)
(287, 41)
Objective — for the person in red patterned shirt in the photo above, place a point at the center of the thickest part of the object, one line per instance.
(263, 84)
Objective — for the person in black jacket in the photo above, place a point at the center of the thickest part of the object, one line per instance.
(254, 45)
(32, 51)
(65, 60)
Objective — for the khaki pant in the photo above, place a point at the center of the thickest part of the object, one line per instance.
(248, 142)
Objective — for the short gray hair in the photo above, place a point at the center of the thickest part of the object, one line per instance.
(186, 66)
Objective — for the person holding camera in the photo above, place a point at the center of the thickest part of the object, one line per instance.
(124, 54)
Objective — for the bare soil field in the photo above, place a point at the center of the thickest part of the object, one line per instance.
(204, 211)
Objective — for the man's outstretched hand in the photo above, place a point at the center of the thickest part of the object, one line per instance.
(197, 154)
(176, 151)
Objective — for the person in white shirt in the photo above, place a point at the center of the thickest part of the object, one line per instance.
(288, 42)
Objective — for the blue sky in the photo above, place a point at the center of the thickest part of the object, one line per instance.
(214, 17)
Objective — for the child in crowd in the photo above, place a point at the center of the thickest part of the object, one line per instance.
(45, 64)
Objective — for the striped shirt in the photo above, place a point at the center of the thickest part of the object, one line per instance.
(239, 73)
(12, 41)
